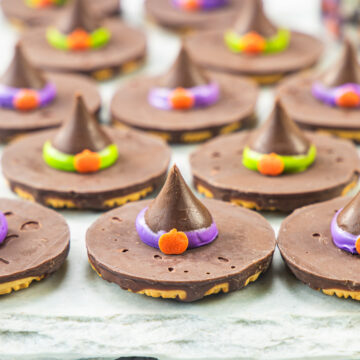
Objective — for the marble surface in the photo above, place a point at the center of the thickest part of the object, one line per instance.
(76, 315)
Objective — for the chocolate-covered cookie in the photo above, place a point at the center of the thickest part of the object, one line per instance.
(329, 101)
(84, 165)
(319, 244)
(35, 245)
(79, 42)
(186, 104)
(255, 47)
(275, 167)
(178, 247)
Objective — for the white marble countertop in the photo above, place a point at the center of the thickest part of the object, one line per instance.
(76, 315)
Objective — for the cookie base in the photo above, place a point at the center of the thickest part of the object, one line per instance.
(16, 285)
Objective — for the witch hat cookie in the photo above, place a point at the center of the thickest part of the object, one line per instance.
(79, 42)
(44, 12)
(328, 101)
(85, 165)
(186, 104)
(183, 252)
(274, 52)
(275, 167)
(323, 249)
(33, 100)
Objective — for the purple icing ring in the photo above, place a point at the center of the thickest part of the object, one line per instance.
(201, 4)
(341, 238)
(196, 238)
(3, 227)
(8, 95)
(330, 96)
(203, 96)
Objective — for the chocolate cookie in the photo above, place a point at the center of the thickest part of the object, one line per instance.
(306, 245)
(242, 251)
(36, 245)
(168, 16)
(218, 172)
(140, 169)
(22, 15)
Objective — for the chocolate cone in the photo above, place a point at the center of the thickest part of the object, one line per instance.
(77, 15)
(176, 207)
(345, 70)
(183, 73)
(349, 218)
(279, 134)
(252, 18)
(21, 73)
(81, 131)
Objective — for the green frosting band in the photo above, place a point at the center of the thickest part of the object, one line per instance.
(97, 39)
(65, 162)
(275, 44)
(292, 164)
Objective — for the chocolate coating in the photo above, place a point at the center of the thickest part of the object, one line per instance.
(252, 18)
(306, 245)
(244, 247)
(37, 243)
(21, 73)
(217, 166)
(176, 207)
(279, 135)
(183, 73)
(81, 131)
(349, 218)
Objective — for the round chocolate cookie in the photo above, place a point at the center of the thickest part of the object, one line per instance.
(209, 50)
(124, 53)
(14, 123)
(218, 172)
(140, 169)
(22, 15)
(36, 245)
(307, 247)
(234, 110)
(312, 114)
(166, 15)
(242, 251)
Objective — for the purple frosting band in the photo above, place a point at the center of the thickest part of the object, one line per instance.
(329, 96)
(8, 95)
(3, 227)
(341, 238)
(202, 4)
(196, 238)
(204, 95)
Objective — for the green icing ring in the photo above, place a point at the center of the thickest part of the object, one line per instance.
(275, 44)
(65, 162)
(98, 38)
(292, 164)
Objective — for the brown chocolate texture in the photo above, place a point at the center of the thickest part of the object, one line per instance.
(349, 218)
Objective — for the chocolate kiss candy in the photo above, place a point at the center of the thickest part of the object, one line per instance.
(252, 18)
(176, 207)
(77, 16)
(81, 131)
(184, 73)
(21, 73)
(349, 217)
(345, 70)
(279, 135)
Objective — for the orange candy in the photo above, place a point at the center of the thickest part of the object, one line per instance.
(79, 40)
(173, 243)
(253, 43)
(357, 245)
(181, 99)
(44, 3)
(26, 100)
(191, 5)
(348, 99)
(87, 161)
(271, 164)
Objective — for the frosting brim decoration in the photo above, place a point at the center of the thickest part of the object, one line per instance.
(3, 227)
(196, 238)
(195, 5)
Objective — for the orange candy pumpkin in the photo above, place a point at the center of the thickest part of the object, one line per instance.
(87, 161)
(190, 5)
(26, 100)
(79, 40)
(181, 99)
(253, 43)
(357, 245)
(173, 242)
(348, 99)
(271, 164)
